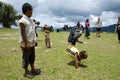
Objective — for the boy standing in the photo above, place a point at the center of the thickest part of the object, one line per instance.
(28, 41)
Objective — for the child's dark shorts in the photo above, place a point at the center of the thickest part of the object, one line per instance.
(98, 29)
(28, 56)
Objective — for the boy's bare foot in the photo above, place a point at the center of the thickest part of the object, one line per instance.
(36, 72)
(28, 75)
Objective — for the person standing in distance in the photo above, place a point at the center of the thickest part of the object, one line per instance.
(117, 29)
(87, 30)
(98, 25)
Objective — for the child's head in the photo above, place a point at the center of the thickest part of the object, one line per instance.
(78, 25)
(87, 20)
(27, 9)
(47, 29)
(83, 55)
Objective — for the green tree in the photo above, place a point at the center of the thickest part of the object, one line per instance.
(7, 14)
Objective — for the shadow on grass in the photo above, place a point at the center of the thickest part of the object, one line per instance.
(72, 63)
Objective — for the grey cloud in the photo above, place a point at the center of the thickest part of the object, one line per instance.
(18, 4)
(73, 12)
(63, 11)
(82, 7)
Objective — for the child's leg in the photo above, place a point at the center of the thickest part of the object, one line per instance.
(46, 42)
(25, 62)
(97, 33)
(49, 43)
(32, 60)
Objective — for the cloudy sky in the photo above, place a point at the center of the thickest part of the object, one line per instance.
(60, 12)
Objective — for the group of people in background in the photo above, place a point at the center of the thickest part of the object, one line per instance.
(98, 25)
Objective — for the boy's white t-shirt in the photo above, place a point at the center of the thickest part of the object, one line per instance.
(98, 25)
(30, 31)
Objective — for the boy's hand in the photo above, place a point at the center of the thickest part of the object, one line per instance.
(27, 46)
(80, 42)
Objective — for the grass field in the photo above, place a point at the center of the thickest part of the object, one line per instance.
(103, 62)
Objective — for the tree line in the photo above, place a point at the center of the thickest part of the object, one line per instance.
(7, 14)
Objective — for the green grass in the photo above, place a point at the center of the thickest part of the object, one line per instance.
(102, 63)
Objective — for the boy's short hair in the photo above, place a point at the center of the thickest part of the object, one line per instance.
(26, 7)
(83, 54)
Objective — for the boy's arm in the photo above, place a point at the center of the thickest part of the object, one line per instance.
(79, 41)
(45, 34)
(76, 61)
(81, 64)
(22, 27)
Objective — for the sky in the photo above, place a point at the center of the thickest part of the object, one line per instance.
(60, 12)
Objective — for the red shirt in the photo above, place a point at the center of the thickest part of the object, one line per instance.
(87, 24)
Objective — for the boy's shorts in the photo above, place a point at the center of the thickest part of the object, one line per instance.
(98, 29)
(28, 56)
(72, 52)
